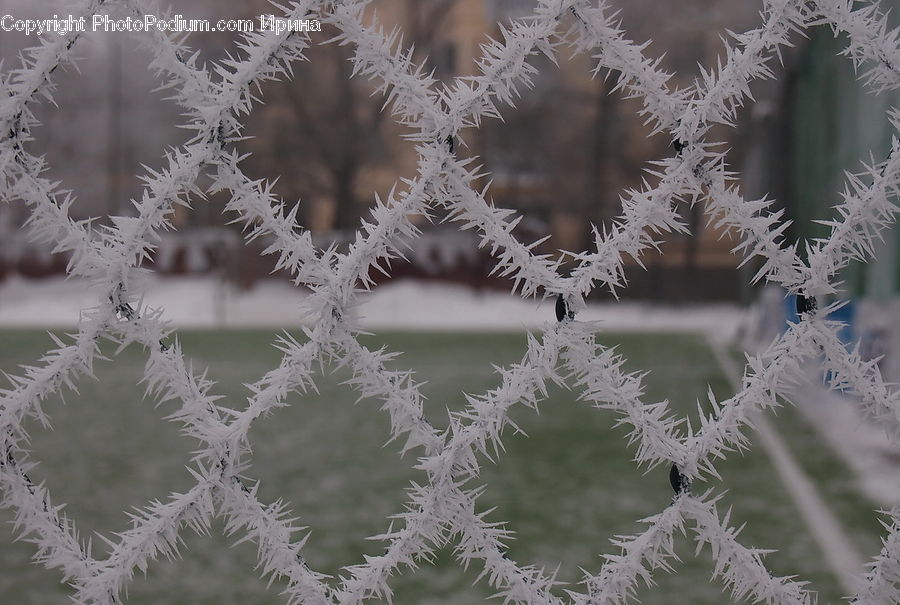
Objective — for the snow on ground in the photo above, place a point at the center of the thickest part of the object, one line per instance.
(205, 302)
(865, 447)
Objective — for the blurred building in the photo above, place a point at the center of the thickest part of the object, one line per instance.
(836, 124)
(833, 124)
(563, 155)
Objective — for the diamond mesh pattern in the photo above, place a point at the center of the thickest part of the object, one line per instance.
(444, 509)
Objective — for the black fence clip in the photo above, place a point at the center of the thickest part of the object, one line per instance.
(805, 304)
(680, 483)
(563, 312)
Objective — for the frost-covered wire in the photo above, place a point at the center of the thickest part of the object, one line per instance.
(443, 509)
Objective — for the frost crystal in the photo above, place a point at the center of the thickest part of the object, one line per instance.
(445, 507)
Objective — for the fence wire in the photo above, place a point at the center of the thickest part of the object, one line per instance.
(444, 510)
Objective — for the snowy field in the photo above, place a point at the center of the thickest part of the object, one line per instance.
(208, 302)
(565, 489)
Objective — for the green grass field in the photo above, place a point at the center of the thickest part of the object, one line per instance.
(565, 489)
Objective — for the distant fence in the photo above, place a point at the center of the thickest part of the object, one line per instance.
(445, 255)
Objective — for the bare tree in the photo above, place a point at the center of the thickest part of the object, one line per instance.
(326, 132)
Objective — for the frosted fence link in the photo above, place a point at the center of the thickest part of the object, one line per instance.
(445, 508)
(849, 372)
(873, 46)
(685, 176)
(21, 170)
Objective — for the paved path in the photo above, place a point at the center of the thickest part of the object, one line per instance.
(840, 553)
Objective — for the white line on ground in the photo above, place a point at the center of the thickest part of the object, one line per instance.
(865, 447)
(840, 553)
